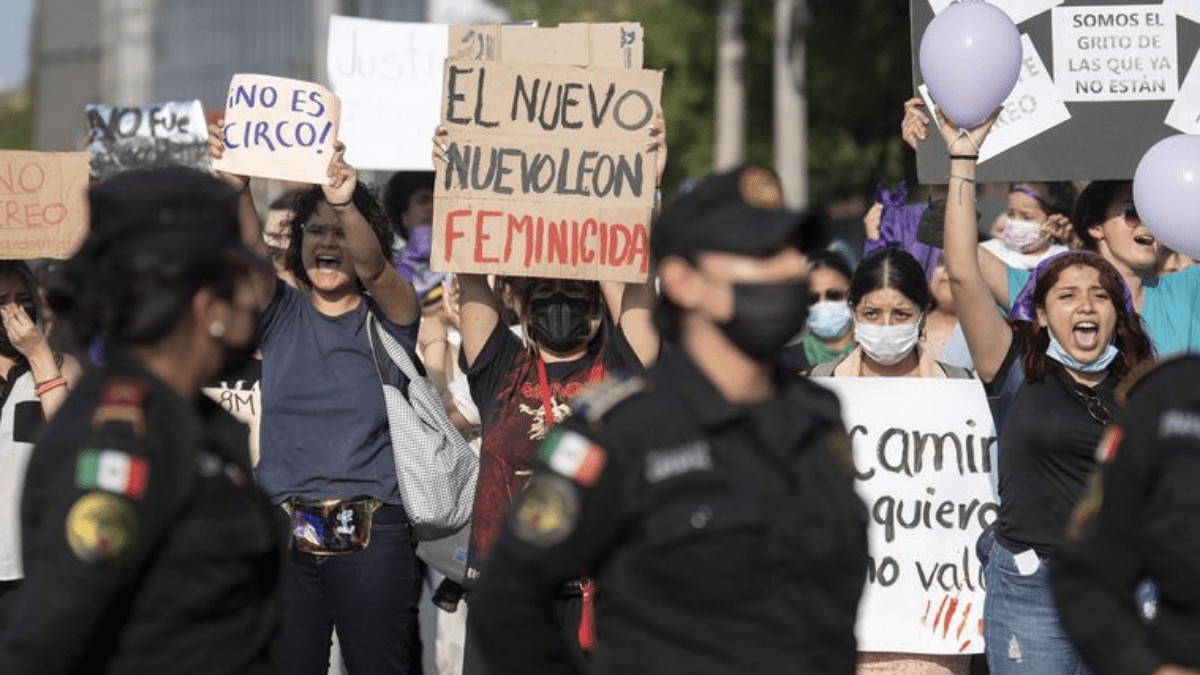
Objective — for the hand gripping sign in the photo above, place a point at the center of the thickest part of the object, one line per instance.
(279, 128)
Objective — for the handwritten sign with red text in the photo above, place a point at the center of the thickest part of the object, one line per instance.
(925, 466)
(279, 128)
(42, 203)
(546, 170)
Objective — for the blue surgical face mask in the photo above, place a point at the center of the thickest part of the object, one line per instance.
(829, 319)
(1055, 351)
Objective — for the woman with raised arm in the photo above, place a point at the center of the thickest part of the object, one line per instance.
(1105, 221)
(1076, 336)
(326, 448)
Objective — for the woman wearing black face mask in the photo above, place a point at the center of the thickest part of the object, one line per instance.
(147, 546)
(575, 334)
(33, 385)
(523, 387)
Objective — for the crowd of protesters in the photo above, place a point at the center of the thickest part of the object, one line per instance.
(134, 541)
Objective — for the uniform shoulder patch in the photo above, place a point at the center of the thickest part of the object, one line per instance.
(547, 510)
(101, 527)
(574, 456)
(122, 401)
(597, 401)
(1109, 442)
(112, 471)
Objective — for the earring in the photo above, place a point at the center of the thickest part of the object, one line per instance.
(216, 329)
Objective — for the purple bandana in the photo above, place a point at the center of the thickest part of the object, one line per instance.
(1022, 309)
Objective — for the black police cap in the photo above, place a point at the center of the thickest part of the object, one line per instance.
(173, 212)
(739, 211)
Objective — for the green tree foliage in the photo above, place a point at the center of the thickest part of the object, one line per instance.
(858, 76)
(16, 126)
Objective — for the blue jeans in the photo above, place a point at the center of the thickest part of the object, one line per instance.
(370, 595)
(1022, 634)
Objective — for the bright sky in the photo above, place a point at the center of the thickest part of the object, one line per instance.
(17, 18)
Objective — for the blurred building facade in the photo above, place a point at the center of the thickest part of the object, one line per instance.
(131, 52)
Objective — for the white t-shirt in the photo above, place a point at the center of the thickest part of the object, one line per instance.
(14, 456)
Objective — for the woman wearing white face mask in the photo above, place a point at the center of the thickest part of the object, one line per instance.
(1037, 215)
(888, 299)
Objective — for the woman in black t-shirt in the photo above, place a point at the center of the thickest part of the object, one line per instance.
(1079, 336)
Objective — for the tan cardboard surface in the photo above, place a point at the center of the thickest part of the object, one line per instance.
(43, 211)
(533, 99)
(279, 128)
(604, 45)
(545, 170)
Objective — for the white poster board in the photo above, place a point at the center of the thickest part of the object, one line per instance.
(925, 463)
(1115, 53)
(1184, 114)
(388, 76)
(1188, 9)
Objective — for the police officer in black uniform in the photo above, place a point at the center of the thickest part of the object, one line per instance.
(148, 547)
(1140, 519)
(710, 499)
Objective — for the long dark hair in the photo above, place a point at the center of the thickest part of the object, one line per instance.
(304, 208)
(1091, 208)
(891, 267)
(149, 248)
(1134, 345)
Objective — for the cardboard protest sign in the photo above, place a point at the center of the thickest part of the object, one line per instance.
(925, 463)
(146, 137)
(546, 170)
(43, 210)
(599, 45)
(279, 128)
(1116, 66)
(388, 76)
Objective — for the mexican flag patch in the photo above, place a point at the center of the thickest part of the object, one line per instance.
(112, 471)
(574, 456)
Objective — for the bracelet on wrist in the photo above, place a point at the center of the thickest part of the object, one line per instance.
(968, 157)
(50, 385)
(348, 202)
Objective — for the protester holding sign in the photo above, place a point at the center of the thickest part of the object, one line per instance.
(325, 441)
(33, 385)
(1059, 364)
(889, 298)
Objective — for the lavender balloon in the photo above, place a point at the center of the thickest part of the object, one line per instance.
(970, 59)
(1166, 190)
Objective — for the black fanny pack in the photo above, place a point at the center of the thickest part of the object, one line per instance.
(331, 526)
